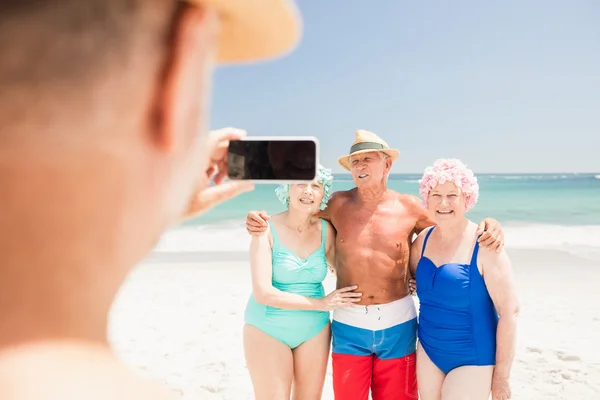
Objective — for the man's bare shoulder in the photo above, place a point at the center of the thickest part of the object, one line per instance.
(340, 197)
(409, 200)
(330, 232)
(335, 202)
(71, 372)
(344, 194)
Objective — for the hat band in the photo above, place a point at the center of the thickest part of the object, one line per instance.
(367, 146)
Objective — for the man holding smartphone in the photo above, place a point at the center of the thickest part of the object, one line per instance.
(374, 342)
(103, 147)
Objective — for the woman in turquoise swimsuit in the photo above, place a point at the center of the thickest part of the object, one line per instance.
(287, 335)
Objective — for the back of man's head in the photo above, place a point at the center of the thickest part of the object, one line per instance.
(68, 63)
(102, 113)
(103, 107)
(96, 136)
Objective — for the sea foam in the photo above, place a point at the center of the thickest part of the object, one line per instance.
(232, 236)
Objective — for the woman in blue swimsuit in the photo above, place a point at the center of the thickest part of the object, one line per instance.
(286, 333)
(468, 302)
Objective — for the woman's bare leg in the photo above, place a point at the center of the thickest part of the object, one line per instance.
(429, 377)
(310, 366)
(270, 364)
(468, 383)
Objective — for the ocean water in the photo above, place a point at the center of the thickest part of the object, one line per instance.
(555, 211)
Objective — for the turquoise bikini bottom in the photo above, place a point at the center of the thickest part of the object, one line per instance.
(291, 327)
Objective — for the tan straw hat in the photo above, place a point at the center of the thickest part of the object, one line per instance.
(365, 142)
(253, 30)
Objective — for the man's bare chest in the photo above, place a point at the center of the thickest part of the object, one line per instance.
(354, 225)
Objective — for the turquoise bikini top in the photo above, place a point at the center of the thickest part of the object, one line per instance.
(294, 274)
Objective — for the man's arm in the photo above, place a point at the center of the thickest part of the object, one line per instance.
(492, 235)
(206, 195)
(256, 221)
(415, 254)
(330, 246)
(333, 202)
(423, 218)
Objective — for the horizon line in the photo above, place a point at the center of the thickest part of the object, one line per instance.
(490, 173)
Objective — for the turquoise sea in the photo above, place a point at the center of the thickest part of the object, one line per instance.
(555, 211)
(561, 199)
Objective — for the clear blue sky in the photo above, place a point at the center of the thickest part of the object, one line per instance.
(507, 86)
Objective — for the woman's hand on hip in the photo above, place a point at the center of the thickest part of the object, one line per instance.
(344, 297)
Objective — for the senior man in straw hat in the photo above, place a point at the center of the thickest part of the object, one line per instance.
(368, 142)
(374, 342)
(103, 146)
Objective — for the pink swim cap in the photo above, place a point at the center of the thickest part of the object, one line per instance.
(453, 170)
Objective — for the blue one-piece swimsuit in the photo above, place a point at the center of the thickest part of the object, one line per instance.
(457, 318)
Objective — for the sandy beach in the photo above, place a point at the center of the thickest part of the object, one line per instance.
(179, 316)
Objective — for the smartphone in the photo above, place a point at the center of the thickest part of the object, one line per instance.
(273, 159)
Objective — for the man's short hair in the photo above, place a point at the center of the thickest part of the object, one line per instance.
(59, 41)
(58, 57)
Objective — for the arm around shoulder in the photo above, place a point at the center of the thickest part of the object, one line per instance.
(423, 218)
(330, 245)
(415, 253)
(332, 204)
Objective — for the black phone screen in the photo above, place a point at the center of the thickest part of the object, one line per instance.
(275, 160)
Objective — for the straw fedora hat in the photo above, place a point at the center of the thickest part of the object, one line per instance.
(365, 142)
(253, 30)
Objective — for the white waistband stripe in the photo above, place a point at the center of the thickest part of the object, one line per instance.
(378, 316)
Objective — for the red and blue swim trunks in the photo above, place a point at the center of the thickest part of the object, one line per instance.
(374, 349)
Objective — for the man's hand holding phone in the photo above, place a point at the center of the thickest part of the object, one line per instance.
(275, 159)
(207, 196)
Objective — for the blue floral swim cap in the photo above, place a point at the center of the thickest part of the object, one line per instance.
(323, 176)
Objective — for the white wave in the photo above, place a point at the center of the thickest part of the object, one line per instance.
(582, 241)
(233, 237)
(542, 236)
(597, 176)
(204, 238)
(530, 177)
